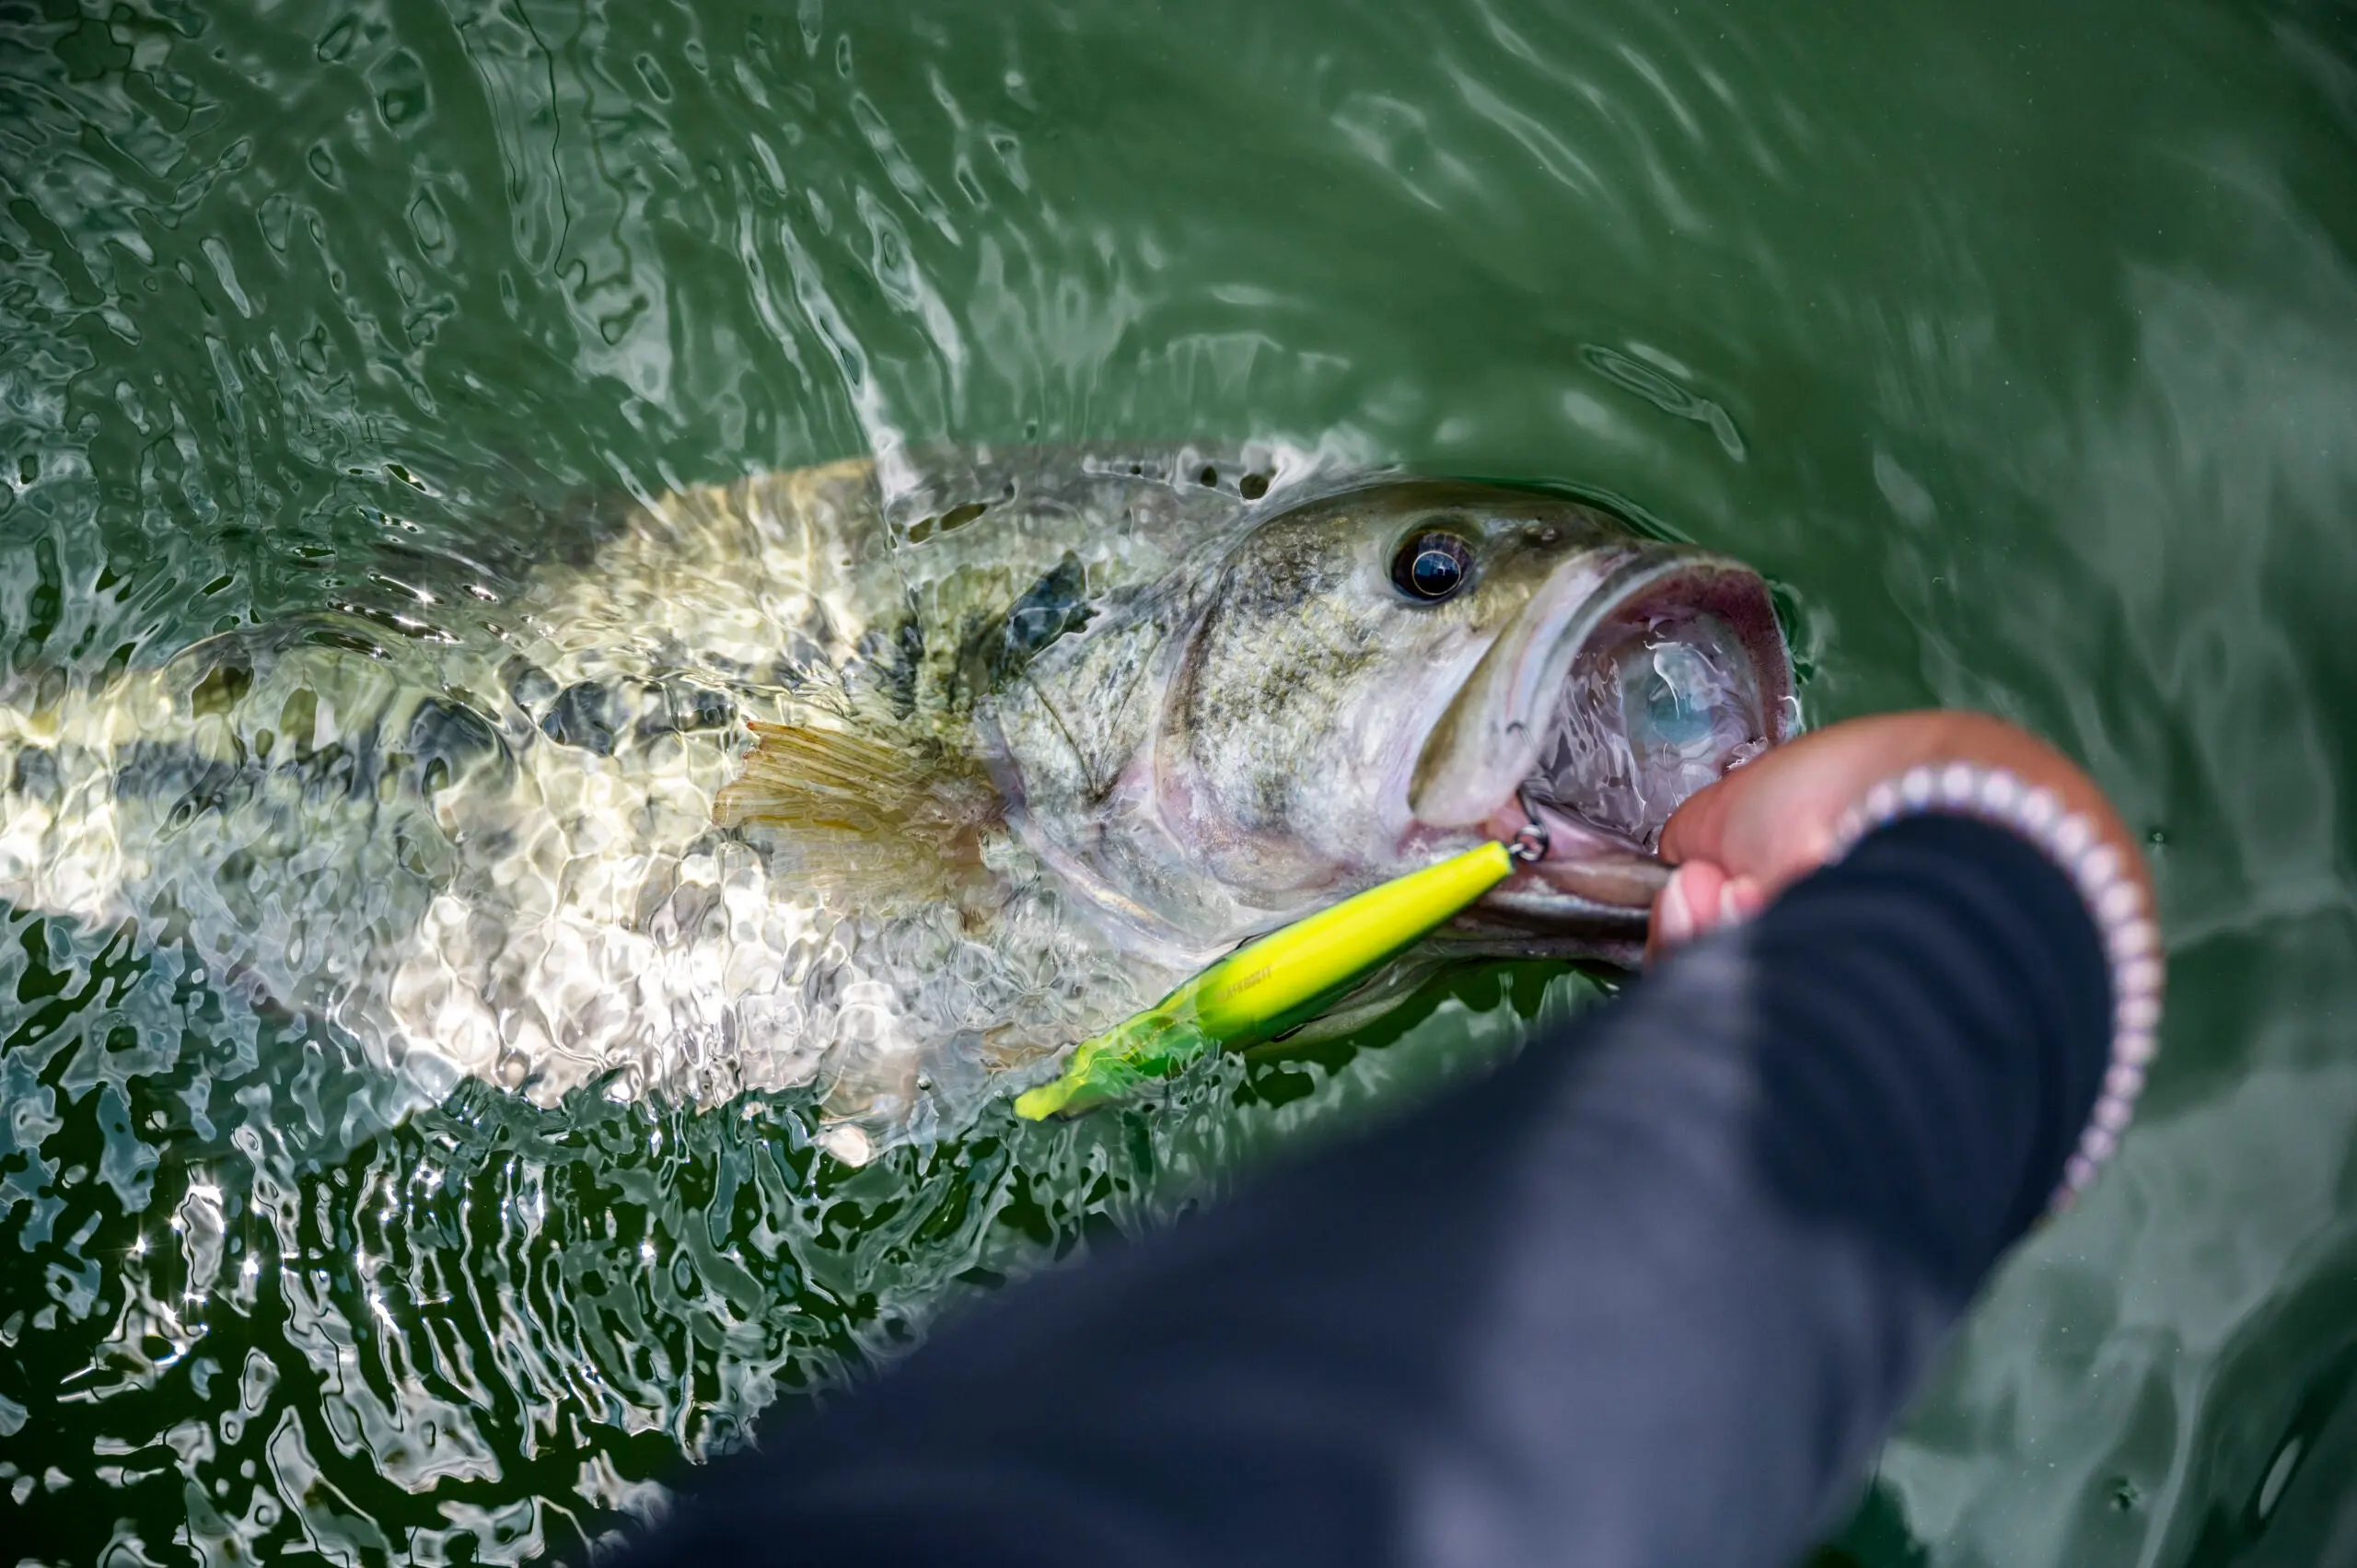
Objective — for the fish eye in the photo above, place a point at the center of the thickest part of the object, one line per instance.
(1432, 565)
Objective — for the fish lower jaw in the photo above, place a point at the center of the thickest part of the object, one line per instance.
(1585, 871)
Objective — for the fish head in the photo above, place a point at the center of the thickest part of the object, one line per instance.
(1366, 681)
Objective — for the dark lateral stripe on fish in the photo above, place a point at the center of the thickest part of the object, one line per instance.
(442, 742)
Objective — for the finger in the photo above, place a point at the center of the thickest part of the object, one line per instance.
(1740, 898)
(1673, 920)
(1687, 906)
(1696, 828)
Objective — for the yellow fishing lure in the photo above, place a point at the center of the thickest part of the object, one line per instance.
(1261, 987)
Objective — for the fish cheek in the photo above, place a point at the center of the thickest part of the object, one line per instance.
(1261, 716)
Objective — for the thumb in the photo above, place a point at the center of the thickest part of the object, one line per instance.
(1697, 829)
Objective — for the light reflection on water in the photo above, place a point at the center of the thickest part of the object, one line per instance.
(2024, 346)
(486, 1325)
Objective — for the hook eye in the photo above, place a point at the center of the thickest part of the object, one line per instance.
(1529, 841)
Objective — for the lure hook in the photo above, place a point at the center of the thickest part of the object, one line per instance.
(1529, 841)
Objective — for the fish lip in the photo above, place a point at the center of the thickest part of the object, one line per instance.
(1474, 761)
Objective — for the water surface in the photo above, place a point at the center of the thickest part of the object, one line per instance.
(2018, 342)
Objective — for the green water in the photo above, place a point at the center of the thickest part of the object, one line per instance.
(2019, 342)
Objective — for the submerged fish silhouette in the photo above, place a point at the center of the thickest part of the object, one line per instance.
(798, 779)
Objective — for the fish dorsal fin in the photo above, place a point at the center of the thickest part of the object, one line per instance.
(839, 801)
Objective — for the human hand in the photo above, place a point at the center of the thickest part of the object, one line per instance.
(1741, 841)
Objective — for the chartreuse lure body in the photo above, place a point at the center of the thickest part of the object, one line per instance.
(1264, 987)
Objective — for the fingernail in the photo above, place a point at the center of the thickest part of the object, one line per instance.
(1749, 897)
(1677, 920)
(1740, 898)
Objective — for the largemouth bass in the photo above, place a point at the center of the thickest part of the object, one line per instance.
(904, 787)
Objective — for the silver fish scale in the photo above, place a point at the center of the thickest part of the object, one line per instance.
(493, 853)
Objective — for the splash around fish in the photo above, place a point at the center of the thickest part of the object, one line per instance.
(897, 784)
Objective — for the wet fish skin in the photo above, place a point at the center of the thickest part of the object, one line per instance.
(488, 846)
(501, 849)
(1235, 750)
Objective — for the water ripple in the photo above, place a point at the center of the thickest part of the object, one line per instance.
(2017, 340)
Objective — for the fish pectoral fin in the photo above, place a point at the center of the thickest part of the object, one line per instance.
(796, 777)
(858, 801)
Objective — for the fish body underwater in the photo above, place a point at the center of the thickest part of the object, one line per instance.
(899, 784)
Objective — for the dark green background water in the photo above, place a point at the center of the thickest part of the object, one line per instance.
(2019, 340)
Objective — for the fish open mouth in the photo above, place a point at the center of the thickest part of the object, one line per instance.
(1628, 683)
